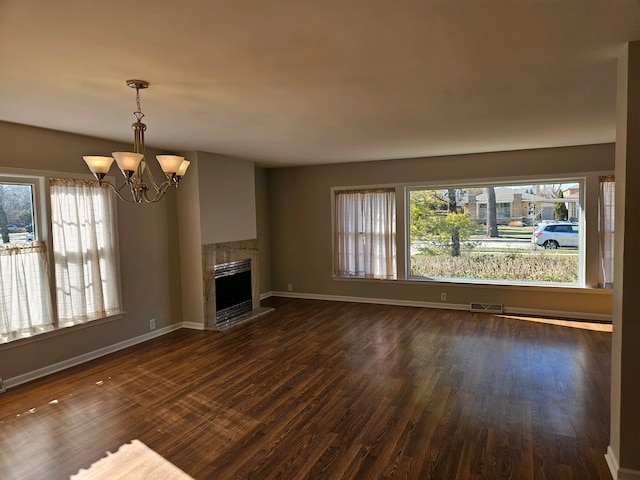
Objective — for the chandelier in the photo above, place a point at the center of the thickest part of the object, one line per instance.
(133, 166)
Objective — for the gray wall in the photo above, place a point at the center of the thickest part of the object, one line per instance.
(148, 244)
(262, 227)
(300, 216)
(227, 198)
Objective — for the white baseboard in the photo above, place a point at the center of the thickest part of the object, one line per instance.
(445, 306)
(72, 362)
(378, 301)
(619, 473)
(193, 325)
(265, 295)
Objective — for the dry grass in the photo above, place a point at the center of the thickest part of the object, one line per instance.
(537, 267)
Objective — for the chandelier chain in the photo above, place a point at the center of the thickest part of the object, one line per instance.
(138, 113)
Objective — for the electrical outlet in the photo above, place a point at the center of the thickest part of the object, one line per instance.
(290, 288)
(152, 324)
(443, 296)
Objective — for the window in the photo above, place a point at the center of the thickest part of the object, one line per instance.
(365, 233)
(83, 251)
(25, 297)
(16, 212)
(76, 267)
(503, 210)
(606, 224)
(518, 233)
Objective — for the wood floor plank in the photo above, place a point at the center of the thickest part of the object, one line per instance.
(332, 390)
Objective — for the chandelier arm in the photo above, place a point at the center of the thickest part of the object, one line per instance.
(117, 191)
(160, 192)
(136, 189)
(155, 184)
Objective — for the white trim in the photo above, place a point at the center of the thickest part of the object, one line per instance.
(72, 362)
(18, 342)
(469, 283)
(193, 325)
(445, 306)
(619, 473)
(265, 295)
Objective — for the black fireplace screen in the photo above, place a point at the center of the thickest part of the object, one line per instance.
(233, 289)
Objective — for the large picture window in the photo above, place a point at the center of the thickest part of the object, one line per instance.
(515, 233)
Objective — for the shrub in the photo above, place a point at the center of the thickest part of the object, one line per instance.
(539, 267)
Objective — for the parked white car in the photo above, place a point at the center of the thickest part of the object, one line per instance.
(556, 234)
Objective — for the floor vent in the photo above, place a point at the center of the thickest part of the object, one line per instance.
(2, 389)
(487, 307)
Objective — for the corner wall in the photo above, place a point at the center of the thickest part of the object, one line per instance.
(216, 204)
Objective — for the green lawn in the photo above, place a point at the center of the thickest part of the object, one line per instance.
(505, 232)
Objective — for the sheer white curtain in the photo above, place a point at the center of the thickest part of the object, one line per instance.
(25, 298)
(606, 224)
(83, 251)
(365, 233)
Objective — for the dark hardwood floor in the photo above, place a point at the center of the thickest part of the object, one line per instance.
(324, 390)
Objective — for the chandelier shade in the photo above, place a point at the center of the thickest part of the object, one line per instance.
(142, 186)
(183, 168)
(128, 161)
(98, 164)
(170, 163)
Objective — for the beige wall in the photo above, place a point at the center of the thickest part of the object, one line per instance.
(227, 198)
(300, 216)
(189, 228)
(148, 245)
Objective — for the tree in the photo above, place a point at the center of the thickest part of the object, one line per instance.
(434, 217)
(492, 217)
(455, 232)
(560, 211)
(423, 204)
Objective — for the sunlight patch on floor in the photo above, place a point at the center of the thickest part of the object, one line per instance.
(594, 326)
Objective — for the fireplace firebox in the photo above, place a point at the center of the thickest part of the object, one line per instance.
(232, 289)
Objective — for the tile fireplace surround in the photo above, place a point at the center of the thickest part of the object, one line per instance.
(218, 253)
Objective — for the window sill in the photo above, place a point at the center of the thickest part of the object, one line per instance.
(18, 342)
(467, 283)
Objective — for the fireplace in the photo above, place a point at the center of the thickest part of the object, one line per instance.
(233, 289)
(231, 284)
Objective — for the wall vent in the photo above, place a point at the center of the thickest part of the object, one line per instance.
(2, 389)
(487, 307)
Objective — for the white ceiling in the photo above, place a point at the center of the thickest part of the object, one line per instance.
(294, 82)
